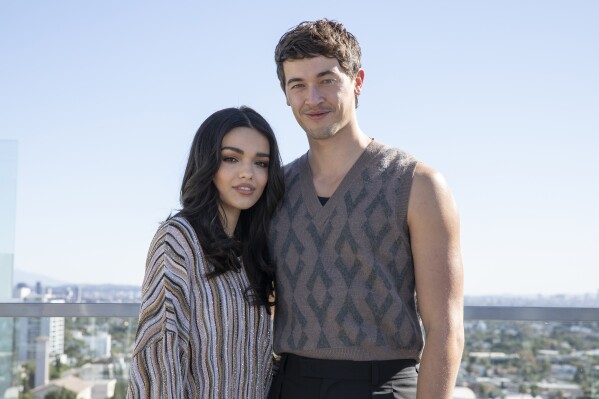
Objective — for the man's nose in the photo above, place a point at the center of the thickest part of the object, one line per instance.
(314, 95)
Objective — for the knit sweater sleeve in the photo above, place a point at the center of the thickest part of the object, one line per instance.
(160, 359)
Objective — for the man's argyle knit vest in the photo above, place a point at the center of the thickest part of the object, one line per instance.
(345, 273)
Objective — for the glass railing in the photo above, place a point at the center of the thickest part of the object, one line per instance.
(551, 352)
(82, 347)
(514, 313)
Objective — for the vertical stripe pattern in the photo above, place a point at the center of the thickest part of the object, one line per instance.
(197, 337)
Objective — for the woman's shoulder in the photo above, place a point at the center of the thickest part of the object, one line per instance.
(176, 222)
(177, 233)
(176, 227)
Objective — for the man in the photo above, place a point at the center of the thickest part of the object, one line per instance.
(366, 245)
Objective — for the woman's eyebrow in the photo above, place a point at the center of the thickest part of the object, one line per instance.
(240, 151)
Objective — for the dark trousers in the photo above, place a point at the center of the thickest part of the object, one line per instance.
(305, 378)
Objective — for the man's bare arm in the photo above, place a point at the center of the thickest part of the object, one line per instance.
(435, 233)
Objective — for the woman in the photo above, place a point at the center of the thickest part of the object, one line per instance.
(204, 325)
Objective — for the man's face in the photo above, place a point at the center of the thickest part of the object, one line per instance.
(320, 95)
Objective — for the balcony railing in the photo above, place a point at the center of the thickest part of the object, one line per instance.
(513, 313)
(531, 324)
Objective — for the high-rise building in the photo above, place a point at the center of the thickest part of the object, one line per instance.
(30, 328)
(8, 206)
(42, 361)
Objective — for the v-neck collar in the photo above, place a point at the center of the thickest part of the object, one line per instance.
(320, 213)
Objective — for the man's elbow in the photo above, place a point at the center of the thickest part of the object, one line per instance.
(456, 340)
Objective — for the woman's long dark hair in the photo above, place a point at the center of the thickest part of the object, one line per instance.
(200, 203)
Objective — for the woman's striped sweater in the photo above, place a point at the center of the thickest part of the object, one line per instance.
(197, 337)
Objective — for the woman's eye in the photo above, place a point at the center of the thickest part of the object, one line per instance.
(229, 159)
(262, 164)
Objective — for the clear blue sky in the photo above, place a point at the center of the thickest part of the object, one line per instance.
(502, 97)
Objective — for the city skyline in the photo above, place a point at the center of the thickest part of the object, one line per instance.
(104, 99)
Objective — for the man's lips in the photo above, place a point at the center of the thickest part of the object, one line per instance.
(316, 114)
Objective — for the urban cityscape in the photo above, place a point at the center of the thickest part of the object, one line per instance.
(87, 357)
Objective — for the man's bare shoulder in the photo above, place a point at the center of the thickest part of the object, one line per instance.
(428, 183)
(430, 194)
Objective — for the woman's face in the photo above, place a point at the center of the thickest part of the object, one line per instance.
(243, 172)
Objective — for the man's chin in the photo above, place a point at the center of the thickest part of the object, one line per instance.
(320, 134)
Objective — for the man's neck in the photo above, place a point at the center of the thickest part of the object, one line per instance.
(330, 159)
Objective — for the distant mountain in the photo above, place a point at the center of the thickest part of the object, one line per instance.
(558, 300)
(31, 279)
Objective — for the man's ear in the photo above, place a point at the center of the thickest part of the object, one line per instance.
(358, 82)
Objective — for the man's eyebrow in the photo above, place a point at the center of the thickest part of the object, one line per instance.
(240, 151)
(319, 75)
(324, 73)
(293, 80)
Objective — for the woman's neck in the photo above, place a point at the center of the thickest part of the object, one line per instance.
(229, 219)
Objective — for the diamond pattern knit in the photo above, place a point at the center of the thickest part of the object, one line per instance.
(345, 274)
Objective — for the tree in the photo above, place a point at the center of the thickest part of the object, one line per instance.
(522, 388)
(57, 368)
(73, 347)
(120, 390)
(534, 390)
(62, 393)
(544, 367)
(581, 375)
(28, 380)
